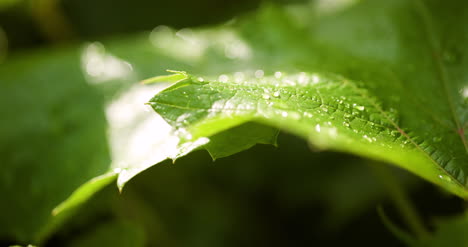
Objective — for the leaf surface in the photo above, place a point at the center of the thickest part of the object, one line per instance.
(387, 83)
(385, 80)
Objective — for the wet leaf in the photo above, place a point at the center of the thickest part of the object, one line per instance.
(386, 83)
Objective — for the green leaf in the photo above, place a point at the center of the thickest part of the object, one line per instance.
(4, 4)
(240, 138)
(450, 231)
(71, 116)
(175, 77)
(397, 91)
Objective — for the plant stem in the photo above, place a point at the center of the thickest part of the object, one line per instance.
(401, 201)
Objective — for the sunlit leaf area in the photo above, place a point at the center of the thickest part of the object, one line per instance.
(233, 123)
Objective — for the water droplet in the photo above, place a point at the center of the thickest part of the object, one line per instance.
(276, 94)
(289, 82)
(278, 74)
(223, 78)
(307, 114)
(266, 96)
(367, 138)
(346, 124)
(444, 177)
(464, 92)
(239, 77)
(302, 78)
(361, 108)
(259, 73)
(324, 108)
(200, 79)
(315, 79)
(317, 127)
(284, 114)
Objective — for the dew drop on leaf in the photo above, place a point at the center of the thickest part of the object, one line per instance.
(223, 78)
(259, 73)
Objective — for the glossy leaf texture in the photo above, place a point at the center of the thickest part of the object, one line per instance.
(385, 82)
(75, 119)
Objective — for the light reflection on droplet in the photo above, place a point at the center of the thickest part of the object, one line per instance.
(464, 92)
(223, 78)
(278, 74)
(367, 138)
(259, 73)
(361, 108)
(317, 127)
(302, 78)
(239, 77)
(315, 79)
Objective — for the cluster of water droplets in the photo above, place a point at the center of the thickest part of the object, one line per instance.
(277, 78)
(329, 105)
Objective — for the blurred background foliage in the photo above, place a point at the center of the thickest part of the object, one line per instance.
(266, 196)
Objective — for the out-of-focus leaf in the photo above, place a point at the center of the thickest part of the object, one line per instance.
(450, 231)
(50, 144)
(8, 3)
(118, 234)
